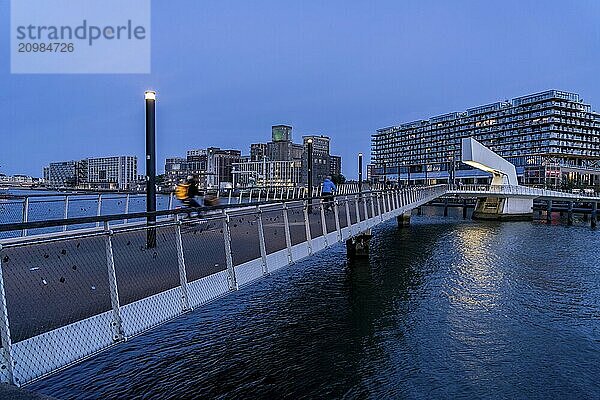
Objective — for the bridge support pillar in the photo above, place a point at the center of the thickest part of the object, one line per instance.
(570, 214)
(594, 217)
(358, 246)
(404, 219)
(446, 207)
(549, 211)
(464, 209)
(503, 209)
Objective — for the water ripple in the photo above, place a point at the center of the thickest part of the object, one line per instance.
(443, 309)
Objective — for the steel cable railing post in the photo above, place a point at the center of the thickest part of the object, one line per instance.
(261, 241)
(372, 205)
(356, 200)
(379, 198)
(185, 297)
(364, 201)
(116, 323)
(126, 208)
(7, 354)
(348, 219)
(25, 214)
(66, 212)
(288, 237)
(323, 222)
(336, 213)
(99, 211)
(170, 206)
(307, 226)
(228, 257)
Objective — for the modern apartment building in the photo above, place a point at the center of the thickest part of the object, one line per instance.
(175, 169)
(66, 173)
(552, 137)
(116, 173)
(219, 165)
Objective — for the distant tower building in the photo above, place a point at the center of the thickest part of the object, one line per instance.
(321, 158)
(281, 133)
(335, 165)
(281, 148)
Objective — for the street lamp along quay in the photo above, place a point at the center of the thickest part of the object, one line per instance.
(360, 168)
(309, 169)
(150, 99)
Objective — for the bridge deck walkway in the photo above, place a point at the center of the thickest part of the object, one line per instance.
(65, 298)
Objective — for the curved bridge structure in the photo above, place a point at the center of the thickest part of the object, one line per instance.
(66, 295)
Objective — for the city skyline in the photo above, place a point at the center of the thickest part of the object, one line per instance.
(311, 69)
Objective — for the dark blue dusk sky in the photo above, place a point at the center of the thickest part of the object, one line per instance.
(225, 71)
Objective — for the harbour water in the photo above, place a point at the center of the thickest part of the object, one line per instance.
(443, 309)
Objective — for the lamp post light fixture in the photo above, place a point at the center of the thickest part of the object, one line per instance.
(150, 99)
(360, 169)
(309, 163)
(309, 169)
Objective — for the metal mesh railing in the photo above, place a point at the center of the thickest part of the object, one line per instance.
(50, 285)
(518, 190)
(11, 212)
(15, 209)
(66, 297)
(204, 247)
(315, 221)
(297, 223)
(141, 271)
(245, 243)
(274, 230)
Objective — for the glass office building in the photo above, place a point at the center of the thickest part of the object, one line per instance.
(552, 137)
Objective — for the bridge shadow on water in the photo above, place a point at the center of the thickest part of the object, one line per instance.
(441, 309)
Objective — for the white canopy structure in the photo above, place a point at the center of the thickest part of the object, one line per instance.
(478, 156)
(503, 173)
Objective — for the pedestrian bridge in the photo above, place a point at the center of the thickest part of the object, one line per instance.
(66, 295)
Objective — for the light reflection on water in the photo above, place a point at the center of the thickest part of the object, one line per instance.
(443, 309)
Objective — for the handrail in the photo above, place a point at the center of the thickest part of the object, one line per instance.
(520, 190)
(20, 226)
